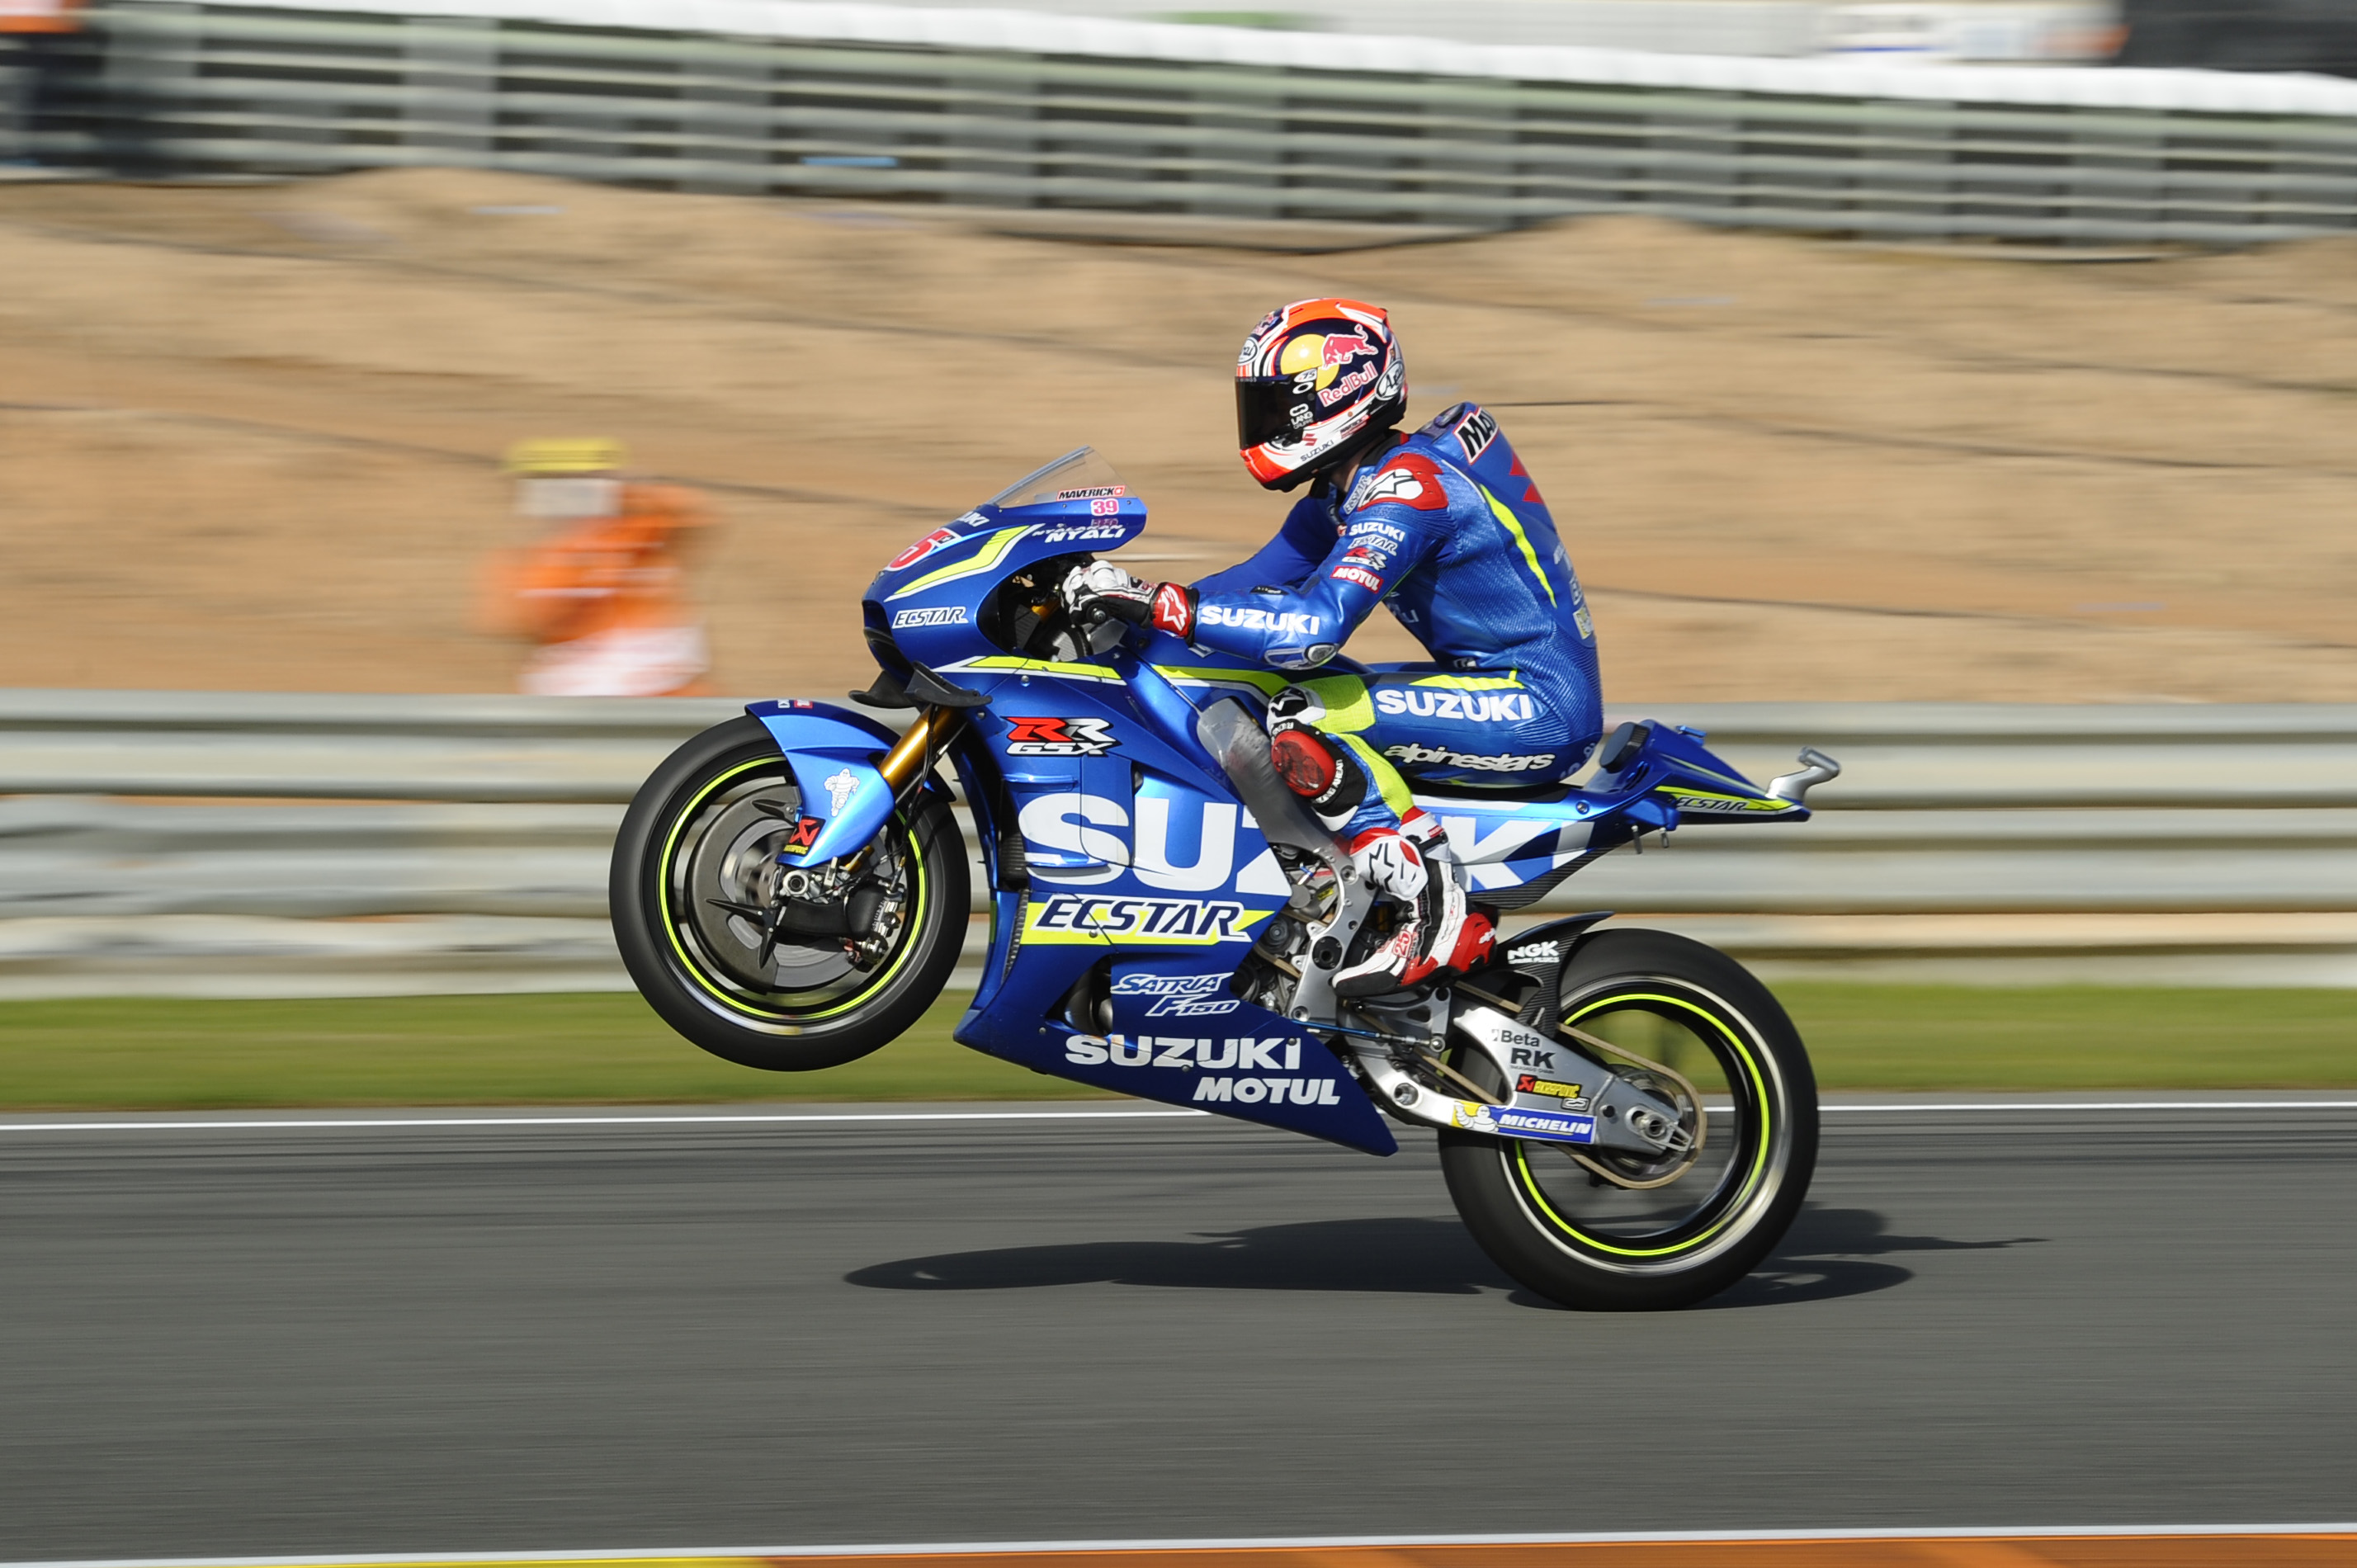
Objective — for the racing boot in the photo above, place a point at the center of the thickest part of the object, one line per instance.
(1442, 934)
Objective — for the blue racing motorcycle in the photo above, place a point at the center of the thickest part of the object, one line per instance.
(1626, 1118)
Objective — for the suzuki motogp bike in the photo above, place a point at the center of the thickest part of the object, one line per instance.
(1626, 1118)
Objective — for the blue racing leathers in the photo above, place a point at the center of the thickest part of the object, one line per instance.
(1448, 530)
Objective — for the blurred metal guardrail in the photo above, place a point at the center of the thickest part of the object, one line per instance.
(1007, 108)
(194, 842)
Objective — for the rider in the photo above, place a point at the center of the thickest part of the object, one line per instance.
(1446, 528)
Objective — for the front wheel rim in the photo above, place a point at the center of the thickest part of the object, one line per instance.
(694, 949)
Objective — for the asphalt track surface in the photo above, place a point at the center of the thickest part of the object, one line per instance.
(607, 1334)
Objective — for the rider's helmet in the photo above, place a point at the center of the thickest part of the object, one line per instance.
(1318, 381)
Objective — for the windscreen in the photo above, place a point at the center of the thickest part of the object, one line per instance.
(1075, 475)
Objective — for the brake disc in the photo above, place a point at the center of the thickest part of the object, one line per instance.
(732, 869)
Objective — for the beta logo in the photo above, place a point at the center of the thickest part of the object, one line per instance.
(1248, 619)
(1050, 735)
(1474, 707)
(939, 615)
(1179, 996)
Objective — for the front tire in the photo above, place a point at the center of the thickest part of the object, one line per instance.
(1573, 1235)
(699, 839)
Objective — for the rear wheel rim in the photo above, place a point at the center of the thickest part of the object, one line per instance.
(1711, 1208)
(714, 841)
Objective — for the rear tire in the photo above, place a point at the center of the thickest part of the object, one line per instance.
(699, 836)
(1579, 1238)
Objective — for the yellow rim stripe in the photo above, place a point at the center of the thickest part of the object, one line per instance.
(789, 1023)
(1750, 1180)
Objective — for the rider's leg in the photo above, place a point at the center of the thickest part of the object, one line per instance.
(1396, 847)
(1448, 729)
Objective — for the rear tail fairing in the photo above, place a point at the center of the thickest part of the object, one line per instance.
(1671, 763)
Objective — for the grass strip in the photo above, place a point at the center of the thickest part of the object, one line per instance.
(2074, 1037)
(584, 1048)
(153, 1054)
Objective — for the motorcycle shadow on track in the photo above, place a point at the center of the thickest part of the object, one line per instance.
(1827, 1254)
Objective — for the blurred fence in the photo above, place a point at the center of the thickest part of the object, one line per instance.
(201, 844)
(1005, 109)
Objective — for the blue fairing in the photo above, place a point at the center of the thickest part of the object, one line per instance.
(1136, 853)
(833, 752)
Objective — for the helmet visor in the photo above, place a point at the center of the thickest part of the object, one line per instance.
(1269, 410)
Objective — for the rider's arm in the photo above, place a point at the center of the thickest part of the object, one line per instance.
(1306, 619)
(1300, 544)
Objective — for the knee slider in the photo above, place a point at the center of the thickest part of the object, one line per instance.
(1320, 772)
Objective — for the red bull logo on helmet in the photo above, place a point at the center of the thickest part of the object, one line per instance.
(1343, 346)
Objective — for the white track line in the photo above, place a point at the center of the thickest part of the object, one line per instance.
(1246, 1543)
(160, 1124)
(2104, 1105)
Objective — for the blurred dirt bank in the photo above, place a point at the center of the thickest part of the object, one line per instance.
(249, 438)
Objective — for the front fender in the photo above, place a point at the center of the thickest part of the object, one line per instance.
(833, 752)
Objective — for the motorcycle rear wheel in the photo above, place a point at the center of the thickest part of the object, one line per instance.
(700, 835)
(1575, 1236)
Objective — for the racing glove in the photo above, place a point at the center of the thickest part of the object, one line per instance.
(1108, 590)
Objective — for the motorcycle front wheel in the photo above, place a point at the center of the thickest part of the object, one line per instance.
(695, 888)
(1607, 1232)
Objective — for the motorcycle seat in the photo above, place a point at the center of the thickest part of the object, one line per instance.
(1544, 794)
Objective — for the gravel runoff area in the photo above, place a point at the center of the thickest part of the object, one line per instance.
(248, 435)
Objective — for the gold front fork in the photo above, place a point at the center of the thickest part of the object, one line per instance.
(913, 757)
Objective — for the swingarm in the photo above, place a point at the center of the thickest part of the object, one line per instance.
(1555, 1090)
